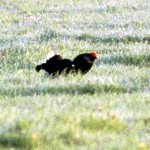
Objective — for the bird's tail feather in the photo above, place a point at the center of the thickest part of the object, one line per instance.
(38, 68)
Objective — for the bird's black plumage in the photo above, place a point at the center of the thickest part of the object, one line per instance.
(50, 65)
(84, 62)
(64, 66)
(56, 65)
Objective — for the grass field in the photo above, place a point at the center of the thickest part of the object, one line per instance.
(106, 109)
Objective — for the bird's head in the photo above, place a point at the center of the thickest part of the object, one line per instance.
(93, 54)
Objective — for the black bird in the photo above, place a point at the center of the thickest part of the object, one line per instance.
(64, 66)
(83, 62)
(50, 65)
(56, 65)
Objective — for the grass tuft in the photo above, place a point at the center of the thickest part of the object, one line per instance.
(17, 137)
(138, 60)
(95, 124)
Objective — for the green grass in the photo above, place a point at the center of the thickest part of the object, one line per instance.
(64, 112)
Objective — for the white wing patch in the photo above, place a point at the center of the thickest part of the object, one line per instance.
(73, 65)
(50, 54)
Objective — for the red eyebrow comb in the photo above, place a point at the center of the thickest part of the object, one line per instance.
(94, 54)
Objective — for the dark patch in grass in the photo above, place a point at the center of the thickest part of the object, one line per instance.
(47, 35)
(86, 89)
(75, 10)
(21, 125)
(96, 124)
(15, 140)
(114, 40)
(137, 60)
(68, 137)
(15, 137)
(50, 34)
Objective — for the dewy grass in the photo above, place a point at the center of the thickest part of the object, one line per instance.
(138, 60)
(32, 106)
(16, 136)
(16, 140)
(99, 124)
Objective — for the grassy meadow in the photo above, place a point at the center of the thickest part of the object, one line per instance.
(106, 109)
